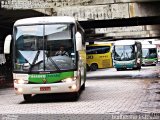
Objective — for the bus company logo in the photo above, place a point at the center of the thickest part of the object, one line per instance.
(44, 81)
(38, 76)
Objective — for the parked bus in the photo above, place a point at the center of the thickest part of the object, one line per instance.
(36, 68)
(99, 56)
(149, 54)
(127, 54)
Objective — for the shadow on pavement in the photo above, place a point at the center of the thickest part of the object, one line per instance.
(121, 77)
(47, 98)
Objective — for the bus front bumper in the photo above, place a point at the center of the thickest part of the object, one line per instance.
(125, 64)
(46, 88)
(149, 62)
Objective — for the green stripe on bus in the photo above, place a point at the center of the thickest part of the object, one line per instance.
(49, 78)
(150, 59)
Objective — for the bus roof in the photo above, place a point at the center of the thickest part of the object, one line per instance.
(148, 46)
(104, 44)
(46, 19)
(125, 42)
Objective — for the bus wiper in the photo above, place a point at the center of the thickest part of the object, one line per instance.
(34, 61)
(121, 55)
(53, 62)
(127, 55)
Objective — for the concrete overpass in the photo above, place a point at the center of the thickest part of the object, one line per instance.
(118, 15)
(113, 18)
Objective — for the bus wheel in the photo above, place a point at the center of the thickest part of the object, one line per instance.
(83, 86)
(75, 96)
(94, 67)
(118, 69)
(27, 97)
(135, 68)
(139, 67)
(88, 68)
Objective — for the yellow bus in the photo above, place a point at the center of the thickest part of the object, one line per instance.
(99, 56)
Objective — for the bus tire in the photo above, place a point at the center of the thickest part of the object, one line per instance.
(118, 69)
(139, 67)
(135, 68)
(27, 97)
(75, 96)
(83, 86)
(94, 67)
(88, 68)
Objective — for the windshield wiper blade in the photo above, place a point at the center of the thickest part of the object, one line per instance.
(127, 55)
(54, 63)
(34, 61)
(121, 55)
(56, 66)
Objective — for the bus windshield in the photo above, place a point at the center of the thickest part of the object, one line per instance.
(149, 53)
(124, 52)
(36, 48)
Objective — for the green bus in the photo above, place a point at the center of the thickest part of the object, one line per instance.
(149, 54)
(36, 67)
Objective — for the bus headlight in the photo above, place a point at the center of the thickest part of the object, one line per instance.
(74, 87)
(20, 90)
(21, 81)
(68, 80)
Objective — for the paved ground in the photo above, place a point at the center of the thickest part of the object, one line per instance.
(145, 72)
(136, 94)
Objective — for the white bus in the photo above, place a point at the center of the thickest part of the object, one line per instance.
(37, 69)
(127, 54)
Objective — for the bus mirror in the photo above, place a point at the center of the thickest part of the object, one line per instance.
(7, 44)
(78, 41)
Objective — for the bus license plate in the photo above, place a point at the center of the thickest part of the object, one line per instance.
(45, 88)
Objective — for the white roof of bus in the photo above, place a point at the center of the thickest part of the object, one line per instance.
(103, 44)
(124, 42)
(46, 19)
(148, 46)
